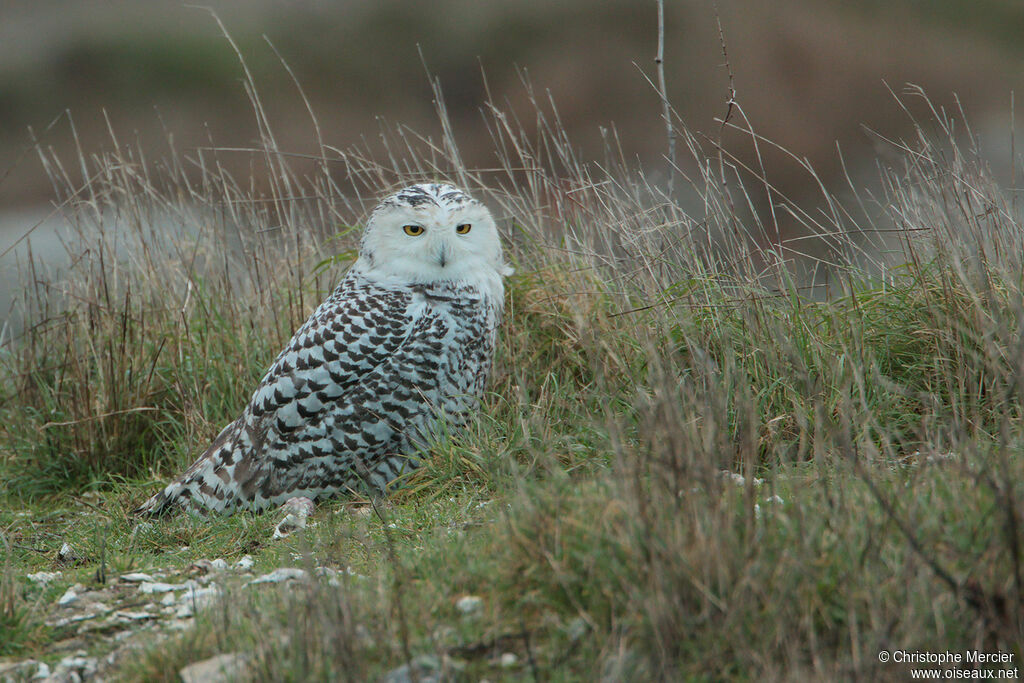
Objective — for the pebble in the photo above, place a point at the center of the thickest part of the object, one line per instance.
(70, 595)
(124, 615)
(226, 667)
(469, 604)
(76, 667)
(738, 478)
(67, 555)
(426, 669)
(279, 575)
(196, 599)
(43, 578)
(159, 587)
(201, 567)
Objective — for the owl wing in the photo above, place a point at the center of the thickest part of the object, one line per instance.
(355, 330)
(350, 334)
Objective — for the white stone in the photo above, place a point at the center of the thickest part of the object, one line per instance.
(158, 587)
(226, 667)
(76, 667)
(125, 615)
(196, 599)
(280, 574)
(43, 578)
(67, 554)
(469, 604)
(738, 478)
(70, 595)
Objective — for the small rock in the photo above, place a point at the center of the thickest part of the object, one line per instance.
(90, 611)
(136, 577)
(508, 660)
(469, 604)
(774, 499)
(203, 567)
(158, 587)
(738, 478)
(279, 575)
(76, 667)
(425, 669)
(246, 562)
(126, 616)
(226, 667)
(186, 610)
(67, 555)
(43, 578)
(19, 671)
(43, 671)
(169, 600)
(70, 595)
(196, 599)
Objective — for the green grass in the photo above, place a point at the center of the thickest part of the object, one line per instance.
(590, 507)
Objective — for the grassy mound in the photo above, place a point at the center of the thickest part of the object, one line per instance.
(706, 454)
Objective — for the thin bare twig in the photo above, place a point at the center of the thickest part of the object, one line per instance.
(659, 60)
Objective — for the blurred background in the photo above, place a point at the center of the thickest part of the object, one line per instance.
(813, 76)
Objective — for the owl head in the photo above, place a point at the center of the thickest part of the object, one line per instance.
(432, 233)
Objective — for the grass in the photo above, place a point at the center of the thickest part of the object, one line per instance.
(693, 463)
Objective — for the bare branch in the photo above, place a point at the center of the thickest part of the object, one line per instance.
(659, 60)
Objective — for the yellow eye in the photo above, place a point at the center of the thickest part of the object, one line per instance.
(463, 229)
(413, 230)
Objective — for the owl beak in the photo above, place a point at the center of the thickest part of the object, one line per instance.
(442, 257)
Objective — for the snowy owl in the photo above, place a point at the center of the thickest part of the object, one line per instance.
(404, 342)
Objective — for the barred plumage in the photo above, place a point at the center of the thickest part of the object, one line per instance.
(404, 341)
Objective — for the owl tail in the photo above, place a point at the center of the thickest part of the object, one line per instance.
(159, 505)
(181, 493)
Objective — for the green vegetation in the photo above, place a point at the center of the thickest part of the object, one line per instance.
(690, 466)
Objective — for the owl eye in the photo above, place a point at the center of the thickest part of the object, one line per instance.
(463, 229)
(413, 230)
